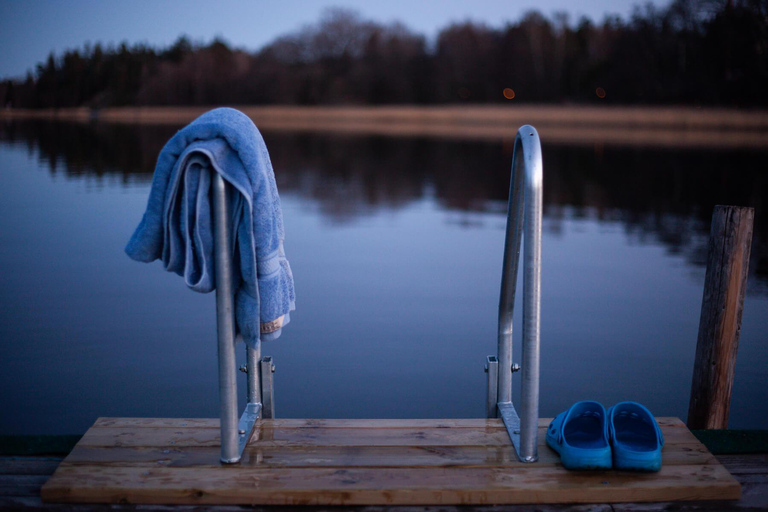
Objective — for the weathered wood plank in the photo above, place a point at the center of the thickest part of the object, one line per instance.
(347, 456)
(333, 423)
(108, 422)
(28, 465)
(21, 485)
(320, 436)
(303, 423)
(334, 462)
(745, 464)
(168, 437)
(384, 486)
(29, 504)
(754, 497)
(301, 456)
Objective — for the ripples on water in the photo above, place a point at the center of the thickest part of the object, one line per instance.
(396, 247)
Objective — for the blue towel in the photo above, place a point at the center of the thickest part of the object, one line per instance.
(177, 226)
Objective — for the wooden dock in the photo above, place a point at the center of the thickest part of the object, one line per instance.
(361, 462)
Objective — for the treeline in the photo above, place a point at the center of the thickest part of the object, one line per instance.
(708, 52)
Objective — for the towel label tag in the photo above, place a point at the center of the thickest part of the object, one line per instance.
(269, 327)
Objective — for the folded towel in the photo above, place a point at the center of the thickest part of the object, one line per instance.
(177, 225)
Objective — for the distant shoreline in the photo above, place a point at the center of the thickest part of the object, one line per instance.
(579, 125)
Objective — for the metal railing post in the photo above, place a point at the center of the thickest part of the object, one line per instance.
(225, 322)
(523, 215)
(234, 433)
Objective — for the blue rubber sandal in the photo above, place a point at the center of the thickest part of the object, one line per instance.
(635, 437)
(580, 436)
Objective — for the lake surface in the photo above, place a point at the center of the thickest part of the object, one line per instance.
(396, 248)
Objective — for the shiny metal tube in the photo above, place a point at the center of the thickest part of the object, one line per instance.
(529, 406)
(512, 244)
(524, 213)
(252, 357)
(225, 322)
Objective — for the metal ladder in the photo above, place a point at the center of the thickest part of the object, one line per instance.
(524, 214)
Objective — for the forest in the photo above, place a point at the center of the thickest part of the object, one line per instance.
(692, 52)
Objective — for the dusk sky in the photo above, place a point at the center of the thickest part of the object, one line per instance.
(31, 29)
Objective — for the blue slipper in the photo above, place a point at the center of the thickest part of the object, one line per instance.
(635, 437)
(580, 436)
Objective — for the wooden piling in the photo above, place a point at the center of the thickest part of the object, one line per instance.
(725, 284)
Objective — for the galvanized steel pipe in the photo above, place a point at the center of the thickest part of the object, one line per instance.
(225, 321)
(524, 214)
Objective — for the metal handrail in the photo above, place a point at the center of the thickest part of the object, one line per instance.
(523, 215)
(234, 433)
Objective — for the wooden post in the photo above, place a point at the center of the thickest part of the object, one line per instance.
(725, 283)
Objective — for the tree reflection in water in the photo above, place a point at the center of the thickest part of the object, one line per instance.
(660, 196)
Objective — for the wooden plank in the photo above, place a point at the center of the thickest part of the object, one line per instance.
(352, 462)
(29, 504)
(304, 423)
(663, 421)
(106, 422)
(28, 465)
(725, 285)
(347, 456)
(21, 485)
(754, 496)
(168, 437)
(302, 456)
(745, 464)
(383, 486)
(320, 436)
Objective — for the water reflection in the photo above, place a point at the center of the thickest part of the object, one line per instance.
(396, 247)
(659, 196)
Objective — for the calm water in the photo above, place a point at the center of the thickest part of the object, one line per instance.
(396, 248)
